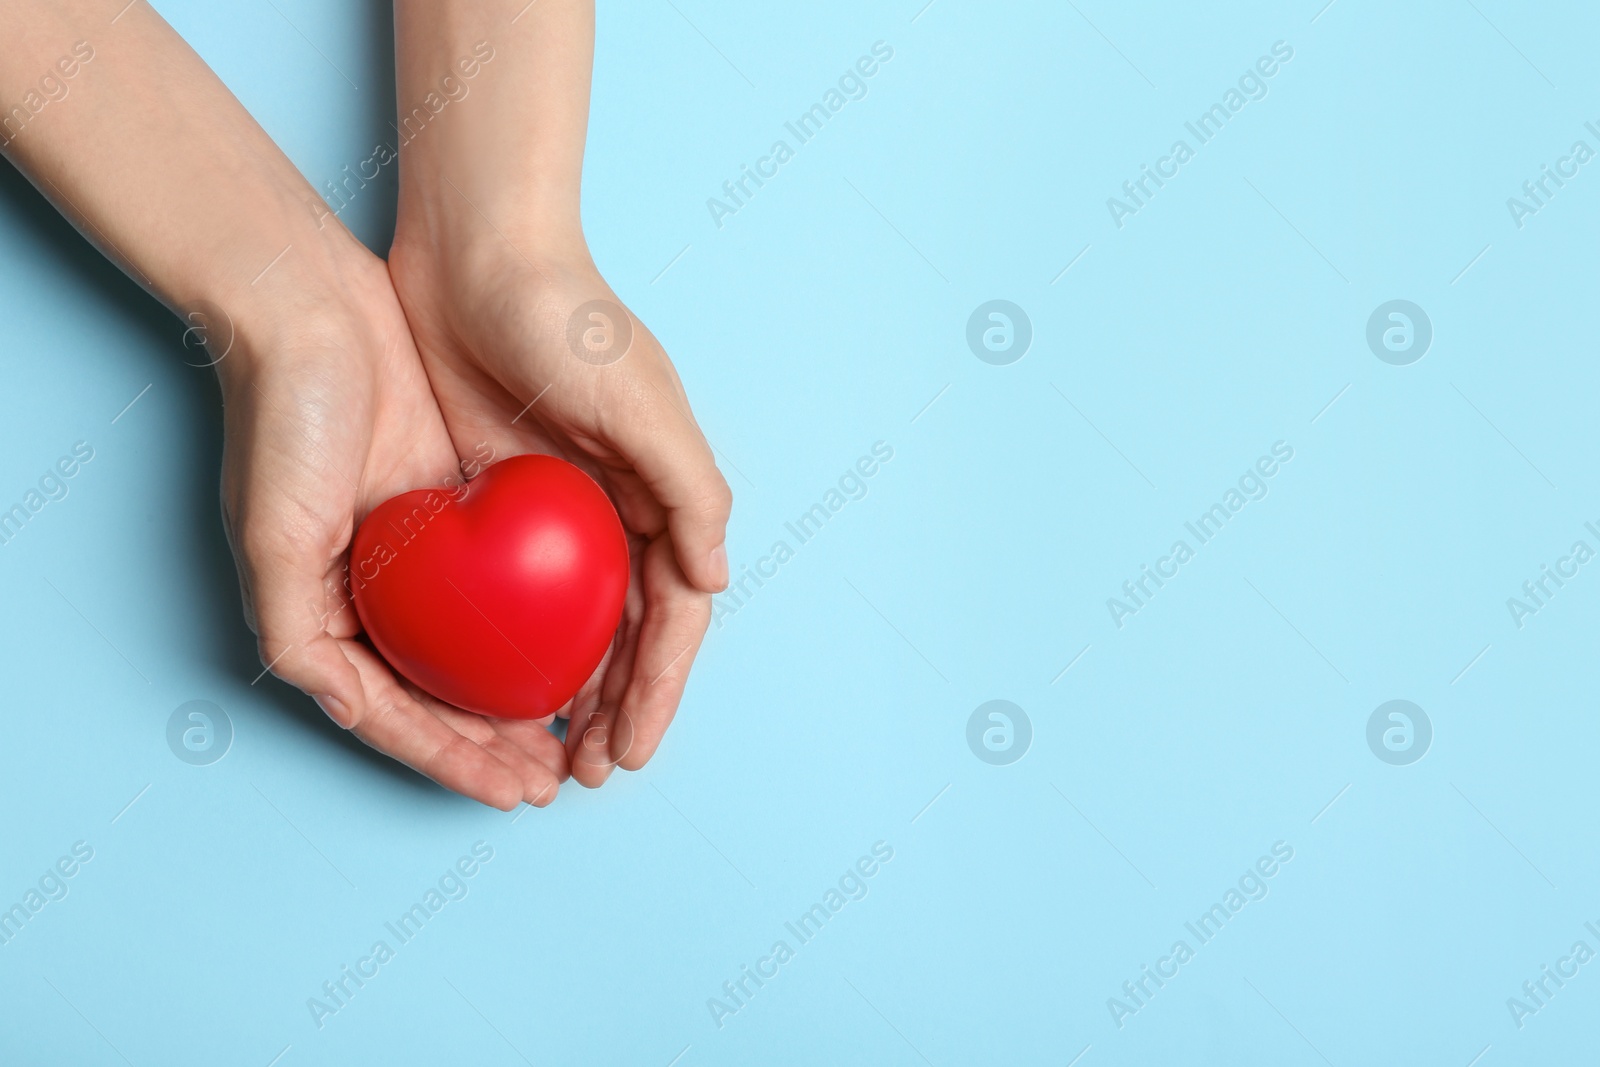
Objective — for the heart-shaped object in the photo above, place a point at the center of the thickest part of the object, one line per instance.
(499, 596)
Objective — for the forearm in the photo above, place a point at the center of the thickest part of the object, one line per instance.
(151, 156)
(493, 112)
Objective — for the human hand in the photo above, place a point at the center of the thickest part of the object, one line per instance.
(327, 408)
(327, 414)
(490, 263)
(492, 328)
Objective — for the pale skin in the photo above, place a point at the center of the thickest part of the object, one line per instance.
(347, 380)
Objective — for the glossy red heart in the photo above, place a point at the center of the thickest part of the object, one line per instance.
(500, 596)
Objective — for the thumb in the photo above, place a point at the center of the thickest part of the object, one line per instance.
(287, 606)
(672, 457)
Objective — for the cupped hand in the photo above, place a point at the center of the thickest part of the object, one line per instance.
(327, 414)
(539, 355)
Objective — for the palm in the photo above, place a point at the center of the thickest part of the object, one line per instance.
(509, 385)
(596, 704)
(333, 431)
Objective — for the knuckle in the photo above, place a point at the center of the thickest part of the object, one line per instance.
(271, 649)
(694, 617)
(716, 502)
(444, 754)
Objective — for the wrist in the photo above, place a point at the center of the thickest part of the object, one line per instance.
(472, 223)
(493, 102)
(310, 301)
(265, 248)
(241, 237)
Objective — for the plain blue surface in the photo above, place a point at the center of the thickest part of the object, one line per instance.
(826, 713)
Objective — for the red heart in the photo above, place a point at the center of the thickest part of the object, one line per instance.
(500, 596)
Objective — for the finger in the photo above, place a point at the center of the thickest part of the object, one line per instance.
(534, 738)
(675, 621)
(587, 698)
(540, 781)
(340, 617)
(288, 606)
(640, 511)
(590, 750)
(487, 421)
(589, 746)
(399, 726)
(660, 439)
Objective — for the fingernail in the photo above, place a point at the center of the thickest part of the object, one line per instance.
(334, 708)
(719, 565)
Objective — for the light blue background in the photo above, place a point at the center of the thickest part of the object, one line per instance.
(821, 718)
